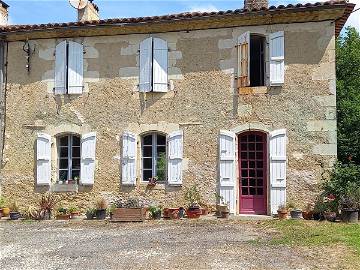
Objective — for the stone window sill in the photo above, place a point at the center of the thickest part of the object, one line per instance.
(65, 187)
(253, 90)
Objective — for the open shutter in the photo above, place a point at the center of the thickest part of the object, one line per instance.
(60, 68)
(277, 58)
(43, 159)
(129, 159)
(160, 65)
(175, 157)
(243, 48)
(75, 68)
(277, 169)
(146, 65)
(88, 147)
(227, 157)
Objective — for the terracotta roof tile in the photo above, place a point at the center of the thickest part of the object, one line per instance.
(186, 15)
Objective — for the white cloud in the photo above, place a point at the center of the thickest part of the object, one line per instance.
(203, 8)
(354, 19)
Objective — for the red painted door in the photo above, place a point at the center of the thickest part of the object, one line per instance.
(253, 172)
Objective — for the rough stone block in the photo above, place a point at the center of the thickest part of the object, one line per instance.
(321, 125)
(325, 149)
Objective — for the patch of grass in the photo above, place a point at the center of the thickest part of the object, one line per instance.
(309, 233)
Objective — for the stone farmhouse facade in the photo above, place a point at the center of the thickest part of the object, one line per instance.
(241, 103)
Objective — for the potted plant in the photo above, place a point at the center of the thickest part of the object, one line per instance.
(14, 211)
(308, 211)
(330, 207)
(221, 206)
(47, 204)
(295, 213)
(90, 213)
(192, 196)
(74, 212)
(129, 211)
(152, 181)
(5, 211)
(155, 212)
(101, 206)
(282, 212)
(350, 204)
(62, 214)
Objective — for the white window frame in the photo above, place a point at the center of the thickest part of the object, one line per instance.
(153, 155)
(69, 170)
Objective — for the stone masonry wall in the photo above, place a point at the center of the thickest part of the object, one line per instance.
(203, 100)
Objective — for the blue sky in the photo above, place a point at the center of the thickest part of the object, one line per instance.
(44, 11)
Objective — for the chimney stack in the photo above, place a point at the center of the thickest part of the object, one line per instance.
(256, 4)
(89, 13)
(4, 13)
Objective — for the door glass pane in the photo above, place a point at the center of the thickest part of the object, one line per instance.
(251, 155)
(244, 173)
(244, 147)
(259, 146)
(252, 191)
(244, 182)
(260, 191)
(251, 146)
(243, 155)
(244, 164)
(244, 191)
(259, 155)
(252, 182)
(260, 182)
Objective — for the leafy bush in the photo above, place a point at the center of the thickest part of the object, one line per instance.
(192, 195)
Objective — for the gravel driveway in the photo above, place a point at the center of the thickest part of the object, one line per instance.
(183, 244)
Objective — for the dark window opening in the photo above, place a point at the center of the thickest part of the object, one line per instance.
(257, 60)
(69, 156)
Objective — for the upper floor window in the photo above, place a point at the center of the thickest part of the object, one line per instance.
(69, 158)
(252, 61)
(69, 65)
(153, 65)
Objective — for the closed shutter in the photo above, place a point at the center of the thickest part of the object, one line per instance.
(175, 157)
(243, 48)
(227, 157)
(75, 68)
(88, 149)
(60, 68)
(43, 159)
(145, 77)
(277, 169)
(129, 159)
(160, 65)
(277, 58)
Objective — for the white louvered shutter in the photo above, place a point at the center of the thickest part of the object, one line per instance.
(175, 157)
(60, 68)
(277, 169)
(243, 48)
(160, 65)
(43, 159)
(88, 149)
(75, 68)
(128, 161)
(227, 157)
(146, 65)
(277, 58)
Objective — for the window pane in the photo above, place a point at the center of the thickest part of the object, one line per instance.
(244, 164)
(147, 140)
(260, 182)
(161, 140)
(76, 152)
(259, 164)
(260, 191)
(75, 173)
(251, 138)
(244, 173)
(252, 173)
(244, 191)
(147, 151)
(252, 191)
(251, 155)
(244, 182)
(259, 146)
(76, 141)
(243, 138)
(251, 146)
(64, 152)
(147, 163)
(63, 163)
(259, 155)
(63, 175)
(147, 174)
(160, 149)
(76, 163)
(243, 155)
(64, 141)
(252, 182)
(244, 146)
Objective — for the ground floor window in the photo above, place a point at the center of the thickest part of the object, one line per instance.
(153, 156)
(69, 157)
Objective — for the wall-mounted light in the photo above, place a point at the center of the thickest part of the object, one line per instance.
(29, 51)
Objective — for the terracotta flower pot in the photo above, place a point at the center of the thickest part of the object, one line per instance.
(193, 212)
(282, 214)
(63, 216)
(6, 211)
(74, 215)
(330, 216)
(308, 215)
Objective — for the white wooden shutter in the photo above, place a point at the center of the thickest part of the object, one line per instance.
(160, 65)
(43, 159)
(146, 56)
(277, 58)
(227, 169)
(277, 169)
(88, 149)
(75, 68)
(129, 159)
(60, 68)
(243, 48)
(175, 157)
